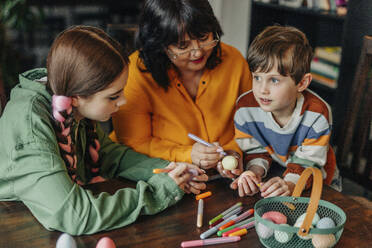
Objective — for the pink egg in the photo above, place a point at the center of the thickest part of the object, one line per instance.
(276, 217)
(105, 242)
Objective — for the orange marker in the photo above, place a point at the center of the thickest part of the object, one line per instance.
(204, 195)
(239, 233)
(157, 171)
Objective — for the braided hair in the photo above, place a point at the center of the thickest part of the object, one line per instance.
(82, 61)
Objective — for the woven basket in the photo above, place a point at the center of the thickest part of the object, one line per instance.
(293, 207)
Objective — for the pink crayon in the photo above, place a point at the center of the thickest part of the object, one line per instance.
(203, 242)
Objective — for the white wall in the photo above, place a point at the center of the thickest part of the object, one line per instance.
(234, 17)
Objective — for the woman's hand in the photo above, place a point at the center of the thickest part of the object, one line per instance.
(231, 173)
(206, 157)
(276, 186)
(188, 177)
(247, 183)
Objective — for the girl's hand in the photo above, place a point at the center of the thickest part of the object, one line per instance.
(276, 186)
(204, 156)
(231, 173)
(184, 176)
(246, 183)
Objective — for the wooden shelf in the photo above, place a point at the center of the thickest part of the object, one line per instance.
(303, 10)
(322, 28)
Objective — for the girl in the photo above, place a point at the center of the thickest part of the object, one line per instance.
(52, 144)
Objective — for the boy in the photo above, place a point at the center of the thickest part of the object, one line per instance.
(280, 119)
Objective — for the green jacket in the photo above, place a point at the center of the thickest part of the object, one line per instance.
(33, 171)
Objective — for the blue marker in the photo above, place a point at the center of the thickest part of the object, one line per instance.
(201, 141)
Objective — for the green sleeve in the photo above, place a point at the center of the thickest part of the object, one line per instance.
(42, 183)
(118, 160)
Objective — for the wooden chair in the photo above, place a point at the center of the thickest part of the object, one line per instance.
(354, 146)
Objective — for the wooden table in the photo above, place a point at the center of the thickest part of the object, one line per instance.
(174, 225)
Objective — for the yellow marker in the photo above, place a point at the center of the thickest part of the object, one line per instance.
(204, 195)
(157, 171)
(240, 232)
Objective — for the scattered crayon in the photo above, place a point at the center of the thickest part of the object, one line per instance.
(203, 195)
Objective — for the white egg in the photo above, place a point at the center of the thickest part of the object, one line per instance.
(298, 224)
(316, 218)
(229, 162)
(325, 223)
(66, 241)
(282, 237)
(264, 231)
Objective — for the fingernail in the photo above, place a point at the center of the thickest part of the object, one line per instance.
(219, 150)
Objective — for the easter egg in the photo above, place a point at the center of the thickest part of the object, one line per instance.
(105, 242)
(323, 241)
(316, 218)
(299, 224)
(229, 162)
(66, 241)
(281, 236)
(263, 231)
(275, 216)
(325, 223)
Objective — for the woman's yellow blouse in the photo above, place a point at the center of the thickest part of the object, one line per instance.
(156, 122)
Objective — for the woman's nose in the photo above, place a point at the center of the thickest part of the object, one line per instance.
(196, 49)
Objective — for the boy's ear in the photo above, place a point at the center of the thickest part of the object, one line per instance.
(304, 83)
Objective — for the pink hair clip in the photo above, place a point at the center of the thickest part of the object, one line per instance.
(61, 103)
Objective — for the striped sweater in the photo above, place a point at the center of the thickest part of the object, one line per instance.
(302, 142)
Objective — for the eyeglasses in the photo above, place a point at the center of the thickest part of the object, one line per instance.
(202, 45)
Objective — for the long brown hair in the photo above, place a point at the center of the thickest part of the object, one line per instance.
(82, 61)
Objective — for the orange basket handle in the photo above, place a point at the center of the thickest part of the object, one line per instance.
(316, 192)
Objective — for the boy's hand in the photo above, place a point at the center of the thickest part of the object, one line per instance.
(204, 156)
(276, 186)
(246, 183)
(183, 175)
(231, 173)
